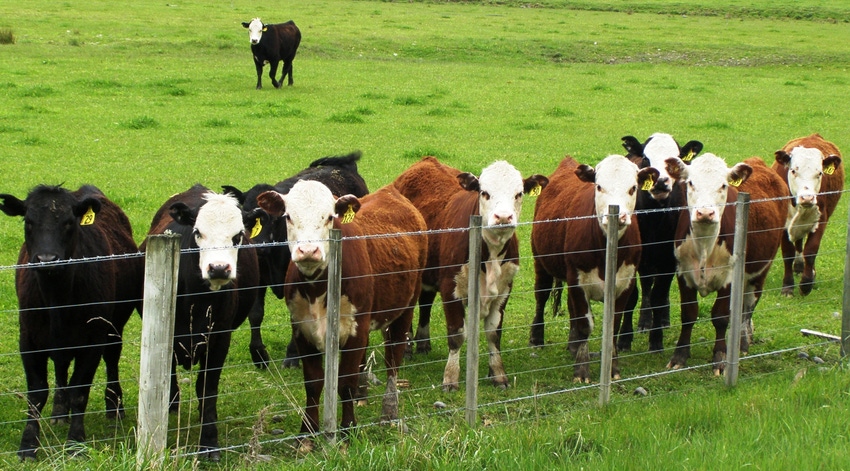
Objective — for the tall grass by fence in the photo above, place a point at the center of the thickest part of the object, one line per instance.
(472, 410)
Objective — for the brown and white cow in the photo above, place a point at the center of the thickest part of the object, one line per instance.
(497, 196)
(704, 244)
(811, 166)
(216, 287)
(568, 240)
(381, 280)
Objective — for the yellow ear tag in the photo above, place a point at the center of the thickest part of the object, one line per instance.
(536, 190)
(88, 218)
(736, 182)
(690, 157)
(829, 170)
(647, 184)
(348, 216)
(255, 231)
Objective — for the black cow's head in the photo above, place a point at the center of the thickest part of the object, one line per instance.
(52, 220)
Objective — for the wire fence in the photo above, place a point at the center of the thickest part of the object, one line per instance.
(541, 378)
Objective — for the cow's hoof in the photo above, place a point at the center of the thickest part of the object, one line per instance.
(260, 357)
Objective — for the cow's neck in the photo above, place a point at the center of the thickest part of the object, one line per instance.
(704, 238)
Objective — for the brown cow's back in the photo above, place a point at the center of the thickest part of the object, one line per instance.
(768, 210)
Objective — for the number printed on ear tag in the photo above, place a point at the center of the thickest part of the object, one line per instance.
(348, 216)
(88, 218)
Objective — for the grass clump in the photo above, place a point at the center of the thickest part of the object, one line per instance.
(141, 122)
(7, 36)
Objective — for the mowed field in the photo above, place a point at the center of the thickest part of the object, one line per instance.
(144, 100)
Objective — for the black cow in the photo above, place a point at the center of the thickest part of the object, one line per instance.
(272, 44)
(72, 311)
(657, 222)
(212, 300)
(337, 173)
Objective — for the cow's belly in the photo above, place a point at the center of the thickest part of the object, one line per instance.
(706, 276)
(594, 286)
(311, 319)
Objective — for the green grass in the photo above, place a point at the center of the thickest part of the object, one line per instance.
(145, 105)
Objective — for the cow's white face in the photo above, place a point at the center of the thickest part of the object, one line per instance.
(218, 232)
(500, 200)
(708, 179)
(616, 184)
(255, 30)
(660, 148)
(805, 174)
(310, 211)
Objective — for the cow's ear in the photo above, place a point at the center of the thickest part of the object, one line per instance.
(182, 214)
(586, 173)
(245, 24)
(85, 206)
(647, 177)
(265, 28)
(632, 145)
(676, 168)
(12, 206)
(254, 221)
(534, 184)
(739, 174)
(469, 182)
(345, 208)
(235, 192)
(690, 150)
(783, 158)
(272, 202)
(830, 164)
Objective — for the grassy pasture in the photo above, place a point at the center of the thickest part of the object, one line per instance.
(147, 100)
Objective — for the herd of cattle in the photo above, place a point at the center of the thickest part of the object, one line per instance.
(402, 244)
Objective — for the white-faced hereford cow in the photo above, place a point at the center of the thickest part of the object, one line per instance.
(657, 219)
(812, 168)
(72, 312)
(704, 244)
(447, 198)
(271, 44)
(569, 238)
(340, 175)
(381, 280)
(216, 288)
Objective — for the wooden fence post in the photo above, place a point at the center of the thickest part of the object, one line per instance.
(610, 296)
(736, 301)
(473, 308)
(162, 261)
(845, 309)
(329, 412)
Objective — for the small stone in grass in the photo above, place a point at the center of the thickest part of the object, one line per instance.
(803, 356)
(640, 391)
(817, 360)
(439, 405)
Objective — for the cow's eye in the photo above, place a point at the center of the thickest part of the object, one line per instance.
(632, 190)
(197, 234)
(793, 172)
(518, 196)
(331, 218)
(286, 217)
(485, 195)
(237, 239)
(599, 188)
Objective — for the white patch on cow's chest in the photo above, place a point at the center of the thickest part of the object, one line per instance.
(594, 286)
(310, 318)
(801, 221)
(705, 274)
(494, 283)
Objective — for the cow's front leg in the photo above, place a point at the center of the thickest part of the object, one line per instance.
(493, 332)
(581, 325)
(259, 66)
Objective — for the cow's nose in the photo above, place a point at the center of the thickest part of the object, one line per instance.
(705, 214)
(254, 41)
(307, 252)
(219, 271)
(807, 200)
(44, 258)
(503, 218)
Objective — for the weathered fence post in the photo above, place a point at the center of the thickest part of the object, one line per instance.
(162, 261)
(329, 412)
(473, 305)
(845, 309)
(736, 301)
(609, 298)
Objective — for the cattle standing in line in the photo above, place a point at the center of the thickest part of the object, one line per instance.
(381, 280)
(447, 198)
(212, 300)
(657, 219)
(272, 44)
(573, 250)
(75, 311)
(704, 244)
(340, 175)
(811, 166)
